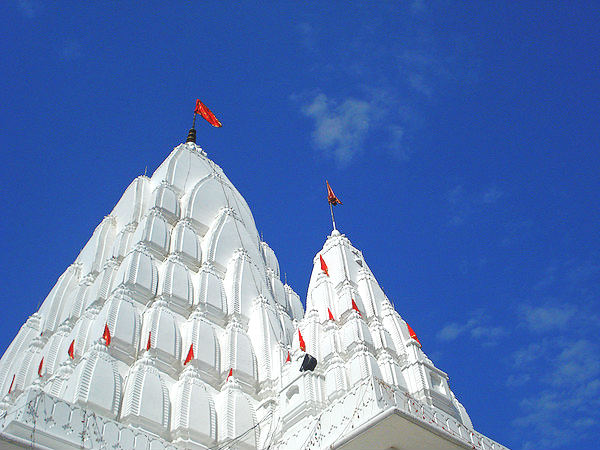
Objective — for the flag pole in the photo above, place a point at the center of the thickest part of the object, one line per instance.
(332, 218)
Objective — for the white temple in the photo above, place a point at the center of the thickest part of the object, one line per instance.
(206, 342)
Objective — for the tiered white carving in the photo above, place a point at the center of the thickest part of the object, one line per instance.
(178, 265)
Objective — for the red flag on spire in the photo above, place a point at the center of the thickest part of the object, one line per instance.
(302, 344)
(331, 198)
(72, 349)
(40, 367)
(324, 266)
(288, 357)
(149, 343)
(207, 114)
(355, 308)
(330, 315)
(11, 384)
(412, 333)
(190, 354)
(106, 335)
(230, 374)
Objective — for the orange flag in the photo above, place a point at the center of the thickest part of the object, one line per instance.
(106, 335)
(324, 266)
(40, 367)
(11, 385)
(190, 355)
(72, 349)
(302, 344)
(207, 114)
(354, 307)
(149, 343)
(230, 374)
(412, 333)
(330, 315)
(331, 198)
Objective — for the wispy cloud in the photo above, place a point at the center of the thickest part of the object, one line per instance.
(464, 204)
(477, 327)
(29, 8)
(410, 67)
(541, 319)
(340, 127)
(307, 34)
(343, 125)
(559, 371)
(564, 409)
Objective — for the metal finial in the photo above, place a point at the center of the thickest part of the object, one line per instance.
(191, 136)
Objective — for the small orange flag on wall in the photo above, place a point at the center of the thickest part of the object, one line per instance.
(72, 349)
(324, 266)
(190, 355)
(106, 335)
(412, 333)
(302, 344)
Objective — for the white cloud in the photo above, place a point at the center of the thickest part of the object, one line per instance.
(409, 71)
(560, 375)
(450, 331)
(541, 319)
(343, 126)
(477, 327)
(565, 409)
(465, 205)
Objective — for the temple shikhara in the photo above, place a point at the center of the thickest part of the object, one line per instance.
(173, 330)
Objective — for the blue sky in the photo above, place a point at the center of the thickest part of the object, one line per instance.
(462, 138)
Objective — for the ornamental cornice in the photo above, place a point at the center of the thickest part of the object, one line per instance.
(261, 301)
(365, 274)
(176, 258)
(311, 316)
(37, 342)
(234, 324)
(131, 226)
(346, 285)
(64, 328)
(209, 267)
(156, 211)
(200, 315)
(241, 253)
(110, 218)
(146, 364)
(190, 375)
(34, 321)
(166, 185)
(111, 263)
(186, 222)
